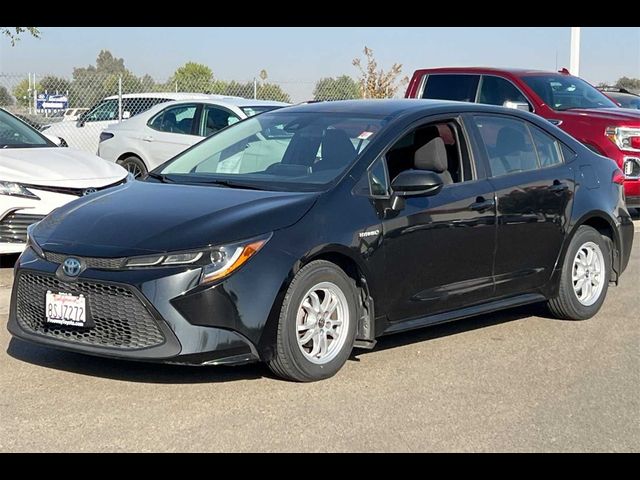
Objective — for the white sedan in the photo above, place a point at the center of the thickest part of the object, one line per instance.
(37, 176)
(149, 139)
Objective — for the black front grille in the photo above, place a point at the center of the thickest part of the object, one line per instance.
(78, 192)
(13, 227)
(121, 320)
(90, 262)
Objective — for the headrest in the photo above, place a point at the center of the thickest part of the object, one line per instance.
(431, 156)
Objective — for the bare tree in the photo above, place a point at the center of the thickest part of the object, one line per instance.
(376, 83)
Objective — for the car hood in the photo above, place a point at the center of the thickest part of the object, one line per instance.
(55, 166)
(139, 218)
(617, 115)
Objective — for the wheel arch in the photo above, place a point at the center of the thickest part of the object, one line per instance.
(132, 154)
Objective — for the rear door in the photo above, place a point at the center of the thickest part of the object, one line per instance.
(534, 192)
(171, 131)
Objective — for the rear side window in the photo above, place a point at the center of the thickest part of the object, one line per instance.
(460, 88)
(547, 147)
(498, 91)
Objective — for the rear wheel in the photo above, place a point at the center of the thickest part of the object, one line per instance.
(317, 324)
(585, 276)
(134, 165)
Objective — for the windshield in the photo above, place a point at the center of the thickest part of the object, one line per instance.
(277, 151)
(562, 92)
(17, 134)
(251, 111)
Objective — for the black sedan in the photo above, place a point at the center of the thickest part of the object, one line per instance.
(295, 235)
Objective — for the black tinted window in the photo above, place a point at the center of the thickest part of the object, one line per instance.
(498, 91)
(452, 87)
(508, 144)
(177, 119)
(378, 182)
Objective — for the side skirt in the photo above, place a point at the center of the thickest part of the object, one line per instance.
(464, 312)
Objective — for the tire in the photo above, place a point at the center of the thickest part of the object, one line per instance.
(134, 165)
(290, 360)
(567, 304)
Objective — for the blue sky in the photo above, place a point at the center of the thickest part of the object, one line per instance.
(299, 56)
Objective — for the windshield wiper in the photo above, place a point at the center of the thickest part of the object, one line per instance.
(160, 176)
(229, 184)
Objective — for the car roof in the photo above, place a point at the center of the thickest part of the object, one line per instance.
(480, 70)
(171, 95)
(235, 101)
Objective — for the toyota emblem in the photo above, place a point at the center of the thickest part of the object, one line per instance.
(88, 191)
(72, 267)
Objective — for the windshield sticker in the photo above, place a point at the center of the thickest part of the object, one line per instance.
(365, 135)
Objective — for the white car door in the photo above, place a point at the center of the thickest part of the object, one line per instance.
(85, 134)
(170, 132)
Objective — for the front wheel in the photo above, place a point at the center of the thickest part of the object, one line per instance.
(317, 324)
(585, 276)
(134, 166)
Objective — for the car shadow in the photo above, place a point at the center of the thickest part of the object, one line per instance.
(458, 326)
(131, 371)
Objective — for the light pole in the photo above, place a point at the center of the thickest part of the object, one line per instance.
(574, 63)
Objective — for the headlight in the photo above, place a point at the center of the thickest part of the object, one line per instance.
(625, 138)
(16, 190)
(216, 262)
(31, 242)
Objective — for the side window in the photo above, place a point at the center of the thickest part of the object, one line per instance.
(107, 110)
(215, 118)
(547, 147)
(498, 91)
(176, 119)
(508, 144)
(378, 180)
(438, 146)
(461, 88)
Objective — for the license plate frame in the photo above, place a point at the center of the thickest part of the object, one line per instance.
(67, 310)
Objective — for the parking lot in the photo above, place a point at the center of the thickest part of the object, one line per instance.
(510, 381)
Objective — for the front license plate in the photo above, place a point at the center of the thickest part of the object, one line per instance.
(66, 309)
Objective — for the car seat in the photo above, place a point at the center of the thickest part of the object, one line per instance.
(433, 156)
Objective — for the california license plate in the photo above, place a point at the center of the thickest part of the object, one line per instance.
(67, 309)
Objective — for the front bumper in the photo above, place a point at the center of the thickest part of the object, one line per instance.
(132, 312)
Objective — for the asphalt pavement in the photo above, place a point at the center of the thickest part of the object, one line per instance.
(510, 381)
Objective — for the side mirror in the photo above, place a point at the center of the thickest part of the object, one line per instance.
(517, 105)
(416, 183)
(126, 114)
(53, 138)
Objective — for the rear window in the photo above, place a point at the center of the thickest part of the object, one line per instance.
(461, 88)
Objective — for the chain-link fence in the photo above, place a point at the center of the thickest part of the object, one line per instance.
(77, 109)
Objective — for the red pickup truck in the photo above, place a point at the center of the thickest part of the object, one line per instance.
(565, 100)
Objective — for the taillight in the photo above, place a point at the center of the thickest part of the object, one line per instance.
(618, 177)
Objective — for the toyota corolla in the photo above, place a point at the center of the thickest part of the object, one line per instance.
(295, 235)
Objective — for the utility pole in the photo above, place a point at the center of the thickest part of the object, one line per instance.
(574, 64)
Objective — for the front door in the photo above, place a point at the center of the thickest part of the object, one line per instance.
(439, 250)
(534, 188)
(170, 132)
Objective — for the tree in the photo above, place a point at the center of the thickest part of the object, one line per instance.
(192, 77)
(53, 84)
(271, 91)
(22, 93)
(632, 84)
(6, 100)
(340, 88)
(14, 33)
(376, 83)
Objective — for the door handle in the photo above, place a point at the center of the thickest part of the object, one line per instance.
(481, 204)
(148, 138)
(558, 186)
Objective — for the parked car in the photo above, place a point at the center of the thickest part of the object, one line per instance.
(37, 177)
(84, 134)
(153, 137)
(622, 97)
(297, 234)
(564, 100)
